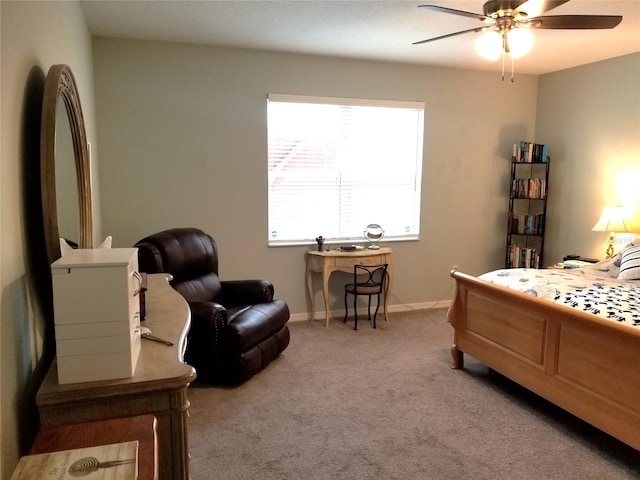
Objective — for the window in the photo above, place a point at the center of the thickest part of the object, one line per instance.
(337, 165)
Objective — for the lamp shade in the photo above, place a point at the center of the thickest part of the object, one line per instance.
(612, 220)
(520, 42)
(489, 45)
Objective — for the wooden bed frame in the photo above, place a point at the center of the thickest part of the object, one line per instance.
(586, 365)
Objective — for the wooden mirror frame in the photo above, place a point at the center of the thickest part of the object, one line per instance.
(60, 85)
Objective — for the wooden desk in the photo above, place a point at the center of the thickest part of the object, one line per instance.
(159, 386)
(329, 261)
(105, 432)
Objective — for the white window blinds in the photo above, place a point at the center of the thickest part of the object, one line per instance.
(337, 165)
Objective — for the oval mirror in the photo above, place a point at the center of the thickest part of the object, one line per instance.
(373, 233)
(67, 203)
(64, 165)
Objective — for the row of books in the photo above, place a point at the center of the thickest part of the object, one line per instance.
(527, 152)
(529, 188)
(528, 224)
(522, 257)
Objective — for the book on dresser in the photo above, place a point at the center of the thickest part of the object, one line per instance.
(527, 208)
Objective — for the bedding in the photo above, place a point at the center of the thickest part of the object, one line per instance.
(596, 289)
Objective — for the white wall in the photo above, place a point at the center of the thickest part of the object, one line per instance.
(590, 117)
(182, 131)
(35, 35)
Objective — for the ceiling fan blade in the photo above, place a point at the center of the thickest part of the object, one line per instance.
(575, 22)
(479, 29)
(534, 8)
(437, 8)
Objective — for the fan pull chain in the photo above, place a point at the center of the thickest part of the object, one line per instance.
(504, 53)
(513, 67)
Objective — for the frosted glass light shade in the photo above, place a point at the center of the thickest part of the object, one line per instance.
(489, 45)
(520, 42)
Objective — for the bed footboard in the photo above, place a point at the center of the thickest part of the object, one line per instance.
(587, 365)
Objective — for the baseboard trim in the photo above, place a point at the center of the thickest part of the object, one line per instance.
(298, 317)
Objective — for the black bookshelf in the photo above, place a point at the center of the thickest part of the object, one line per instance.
(529, 182)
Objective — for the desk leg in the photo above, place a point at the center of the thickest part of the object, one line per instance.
(310, 293)
(325, 293)
(387, 287)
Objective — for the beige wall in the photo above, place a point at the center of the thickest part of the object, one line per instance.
(182, 142)
(182, 131)
(35, 35)
(590, 116)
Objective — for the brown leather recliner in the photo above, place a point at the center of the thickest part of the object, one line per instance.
(237, 328)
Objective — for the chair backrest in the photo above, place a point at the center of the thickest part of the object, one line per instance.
(370, 275)
(189, 255)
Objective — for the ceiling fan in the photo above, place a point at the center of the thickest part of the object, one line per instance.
(506, 19)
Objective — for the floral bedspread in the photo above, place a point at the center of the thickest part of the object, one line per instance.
(594, 289)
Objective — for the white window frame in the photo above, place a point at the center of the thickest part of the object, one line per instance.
(402, 182)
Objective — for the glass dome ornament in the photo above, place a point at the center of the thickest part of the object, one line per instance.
(373, 234)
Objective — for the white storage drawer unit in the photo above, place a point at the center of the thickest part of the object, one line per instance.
(97, 314)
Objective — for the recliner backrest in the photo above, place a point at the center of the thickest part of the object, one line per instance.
(189, 255)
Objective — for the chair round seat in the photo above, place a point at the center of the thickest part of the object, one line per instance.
(361, 289)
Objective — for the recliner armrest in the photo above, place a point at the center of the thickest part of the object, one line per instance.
(245, 292)
(207, 319)
(205, 339)
(149, 258)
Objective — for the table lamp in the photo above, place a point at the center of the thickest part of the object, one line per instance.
(612, 220)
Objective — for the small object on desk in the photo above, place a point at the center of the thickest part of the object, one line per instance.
(350, 248)
(146, 333)
(320, 242)
(373, 233)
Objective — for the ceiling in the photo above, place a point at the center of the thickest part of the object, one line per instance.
(365, 29)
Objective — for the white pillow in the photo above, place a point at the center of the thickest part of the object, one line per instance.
(630, 264)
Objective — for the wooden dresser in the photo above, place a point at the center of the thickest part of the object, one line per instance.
(159, 386)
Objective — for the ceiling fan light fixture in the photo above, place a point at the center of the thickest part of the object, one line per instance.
(489, 45)
(520, 42)
(508, 23)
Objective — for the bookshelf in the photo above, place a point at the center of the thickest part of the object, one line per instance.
(528, 192)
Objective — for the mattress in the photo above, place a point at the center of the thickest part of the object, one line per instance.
(594, 289)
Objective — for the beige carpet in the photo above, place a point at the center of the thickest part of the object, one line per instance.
(384, 404)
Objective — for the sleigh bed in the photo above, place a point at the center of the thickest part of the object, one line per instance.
(580, 353)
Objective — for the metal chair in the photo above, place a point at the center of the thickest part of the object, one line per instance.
(371, 282)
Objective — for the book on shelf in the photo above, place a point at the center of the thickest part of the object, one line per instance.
(116, 461)
(527, 224)
(531, 188)
(522, 257)
(527, 152)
